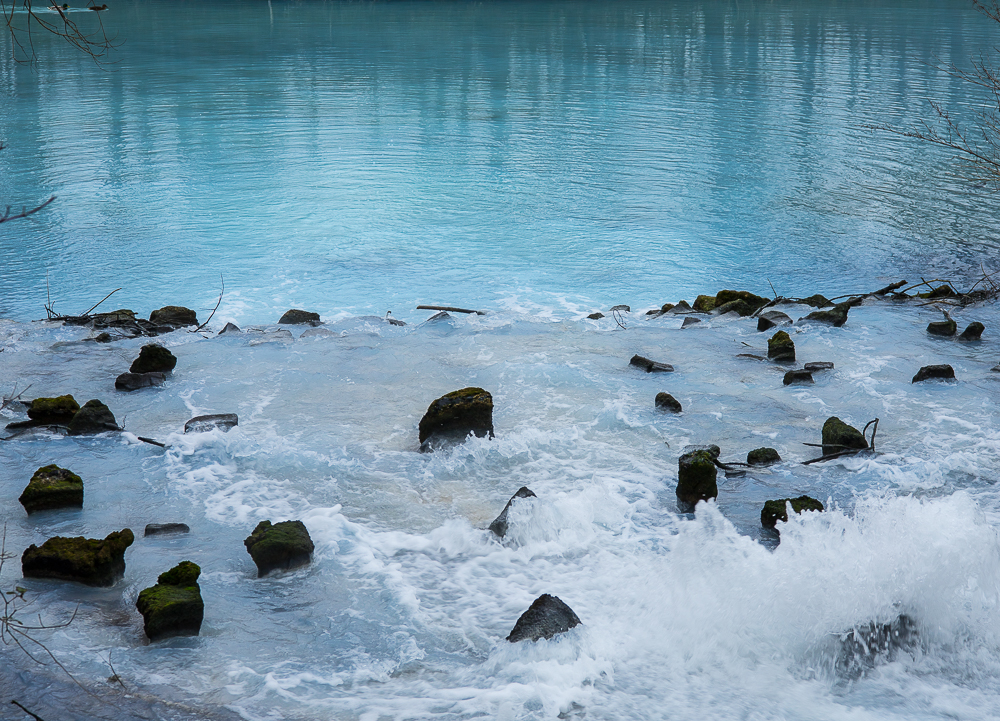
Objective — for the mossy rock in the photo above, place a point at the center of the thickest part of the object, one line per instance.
(280, 546)
(816, 301)
(455, 415)
(771, 318)
(153, 358)
(704, 303)
(836, 316)
(763, 457)
(595, 316)
(666, 402)
(774, 511)
(175, 316)
(780, 347)
(59, 410)
(296, 316)
(754, 302)
(173, 607)
(946, 328)
(838, 436)
(738, 306)
(94, 417)
(52, 487)
(973, 331)
(942, 291)
(90, 561)
(696, 477)
(666, 306)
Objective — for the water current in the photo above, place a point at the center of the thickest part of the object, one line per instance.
(539, 161)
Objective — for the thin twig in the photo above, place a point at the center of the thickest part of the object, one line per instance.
(6, 215)
(87, 312)
(33, 715)
(213, 309)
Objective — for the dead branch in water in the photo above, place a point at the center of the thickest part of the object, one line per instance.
(87, 312)
(215, 308)
(451, 309)
(6, 215)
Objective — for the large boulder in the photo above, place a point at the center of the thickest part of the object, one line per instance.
(941, 372)
(201, 424)
(545, 617)
(91, 561)
(696, 476)
(94, 417)
(173, 607)
(296, 316)
(762, 457)
(455, 415)
(499, 525)
(59, 410)
(774, 511)
(836, 316)
(973, 331)
(666, 402)
(280, 546)
(153, 358)
(738, 306)
(52, 487)
(175, 316)
(838, 436)
(135, 381)
(780, 347)
(772, 318)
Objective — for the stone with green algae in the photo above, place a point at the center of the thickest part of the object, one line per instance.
(281, 545)
(696, 476)
(780, 347)
(763, 457)
(174, 606)
(839, 436)
(752, 301)
(58, 410)
(94, 417)
(455, 415)
(90, 561)
(52, 487)
(774, 511)
(704, 303)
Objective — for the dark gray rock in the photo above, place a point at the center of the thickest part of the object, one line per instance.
(153, 358)
(174, 316)
(52, 487)
(160, 529)
(762, 457)
(838, 436)
(818, 366)
(499, 525)
(455, 415)
(94, 417)
(869, 645)
(135, 381)
(666, 402)
(682, 307)
(279, 546)
(836, 316)
(770, 319)
(621, 308)
(689, 321)
(58, 410)
(797, 377)
(546, 617)
(230, 328)
(295, 317)
(173, 607)
(104, 337)
(751, 356)
(816, 301)
(202, 424)
(943, 372)
(595, 316)
(945, 328)
(974, 331)
(650, 366)
(774, 511)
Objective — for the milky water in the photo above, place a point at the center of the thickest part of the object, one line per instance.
(539, 161)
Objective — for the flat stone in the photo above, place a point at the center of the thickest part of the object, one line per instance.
(666, 402)
(295, 317)
(175, 316)
(770, 319)
(836, 316)
(945, 328)
(818, 366)
(943, 372)
(650, 366)
(203, 424)
(91, 561)
(135, 381)
(797, 377)
(689, 321)
(58, 410)
(751, 356)
(499, 525)
(546, 617)
(160, 529)
(282, 335)
(317, 333)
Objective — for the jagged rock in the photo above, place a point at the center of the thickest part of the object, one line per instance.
(772, 318)
(738, 306)
(774, 511)
(974, 331)
(667, 307)
(283, 545)
(753, 302)
(595, 316)
(173, 607)
(704, 303)
(762, 457)
(943, 327)
(445, 315)
(836, 316)
(838, 436)
(780, 347)
(325, 332)
(621, 307)
(153, 358)
(159, 529)
(52, 487)
(59, 410)
(864, 647)
(104, 337)
(135, 381)
(696, 476)
(650, 366)
(654, 312)
(943, 372)
(681, 307)
(230, 328)
(942, 291)
(995, 369)
(499, 525)
(455, 415)
(94, 417)
(545, 617)
(202, 424)
(90, 561)
(816, 301)
(797, 376)
(174, 316)
(295, 317)
(666, 402)
(688, 322)
(818, 366)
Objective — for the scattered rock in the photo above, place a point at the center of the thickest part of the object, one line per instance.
(455, 415)
(943, 327)
(295, 317)
(173, 607)
(595, 316)
(772, 318)
(59, 410)
(797, 376)
(689, 321)
(836, 316)
(816, 301)
(153, 358)
(283, 545)
(499, 525)
(774, 511)
(159, 529)
(121, 318)
(90, 561)
(780, 347)
(696, 477)
(230, 328)
(763, 457)
(545, 617)
(666, 402)
(135, 381)
(738, 306)
(818, 366)
(52, 487)
(753, 302)
(864, 647)
(94, 417)
(104, 337)
(838, 436)
(622, 307)
(704, 303)
(973, 332)
(681, 307)
(650, 366)
(202, 424)
(174, 316)
(944, 372)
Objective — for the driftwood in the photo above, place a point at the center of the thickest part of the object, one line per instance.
(873, 424)
(215, 308)
(151, 442)
(450, 309)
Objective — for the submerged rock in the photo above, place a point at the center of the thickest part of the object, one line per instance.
(595, 316)
(772, 318)
(704, 303)
(763, 457)
(838, 436)
(499, 525)
(666, 402)
(797, 377)
(455, 415)
(780, 347)
(942, 372)
(160, 529)
(774, 511)
(752, 301)
(175, 316)
(202, 424)
(173, 607)
(621, 307)
(90, 561)
(280, 546)
(295, 317)
(121, 318)
(974, 331)
(738, 306)
(681, 307)
(942, 291)
(943, 327)
(59, 410)
(816, 301)
(696, 476)
(230, 328)
(688, 322)
(325, 332)
(94, 417)
(818, 366)
(52, 487)
(135, 381)
(104, 337)
(866, 646)
(153, 358)
(650, 366)
(282, 335)
(836, 316)
(545, 617)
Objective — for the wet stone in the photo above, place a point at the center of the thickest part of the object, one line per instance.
(296, 316)
(136, 381)
(58, 410)
(818, 366)
(94, 417)
(162, 529)
(774, 511)
(838, 436)
(688, 322)
(781, 348)
(945, 328)
(974, 331)
(869, 645)
(203, 424)
(230, 328)
(153, 358)
(696, 477)
(650, 366)
(666, 402)
(174, 606)
(772, 318)
(279, 546)
(174, 316)
(499, 524)
(455, 415)
(595, 316)
(52, 487)
(836, 316)
(797, 377)
(546, 617)
(90, 561)
(763, 457)
(941, 372)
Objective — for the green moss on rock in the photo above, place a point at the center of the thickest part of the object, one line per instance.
(59, 409)
(666, 402)
(762, 457)
(838, 436)
(282, 545)
(94, 417)
(153, 358)
(696, 477)
(738, 306)
(944, 327)
(91, 561)
(704, 303)
(775, 511)
(836, 316)
(752, 301)
(780, 347)
(174, 606)
(296, 316)
(52, 487)
(816, 301)
(457, 414)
